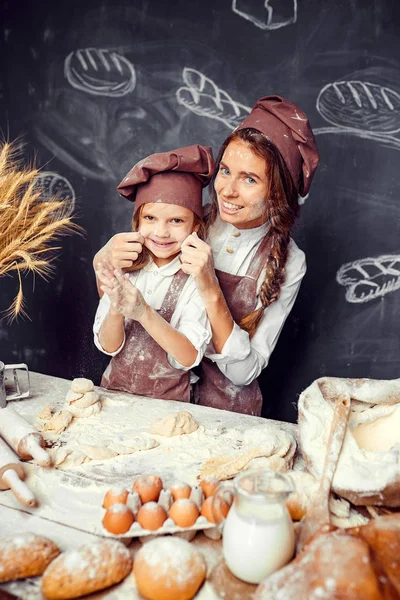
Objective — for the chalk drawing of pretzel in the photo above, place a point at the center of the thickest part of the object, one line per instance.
(370, 278)
(203, 97)
(270, 14)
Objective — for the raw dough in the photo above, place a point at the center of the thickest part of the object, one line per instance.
(86, 400)
(81, 385)
(66, 457)
(97, 452)
(175, 424)
(381, 434)
(72, 396)
(85, 412)
(46, 413)
(59, 421)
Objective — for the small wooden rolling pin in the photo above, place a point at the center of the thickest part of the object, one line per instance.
(23, 437)
(12, 474)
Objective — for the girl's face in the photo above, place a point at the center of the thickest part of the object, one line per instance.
(242, 186)
(164, 227)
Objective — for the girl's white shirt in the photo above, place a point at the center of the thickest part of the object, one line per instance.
(189, 316)
(242, 359)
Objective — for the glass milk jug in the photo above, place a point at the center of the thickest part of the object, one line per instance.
(258, 534)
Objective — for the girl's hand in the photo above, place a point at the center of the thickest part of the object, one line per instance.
(105, 273)
(121, 250)
(125, 298)
(197, 260)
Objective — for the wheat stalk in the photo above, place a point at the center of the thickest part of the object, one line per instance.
(29, 226)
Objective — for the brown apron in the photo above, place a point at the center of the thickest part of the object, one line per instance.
(213, 388)
(142, 366)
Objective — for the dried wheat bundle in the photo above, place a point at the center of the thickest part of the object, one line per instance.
(28, 225)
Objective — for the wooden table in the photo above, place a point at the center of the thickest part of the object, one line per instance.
(66, 512)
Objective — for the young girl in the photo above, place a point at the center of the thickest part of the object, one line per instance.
(152, 320)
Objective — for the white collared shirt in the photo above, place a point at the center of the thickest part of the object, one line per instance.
(189, 316)
(242, 359)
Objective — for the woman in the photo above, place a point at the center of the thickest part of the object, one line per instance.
(249, 272)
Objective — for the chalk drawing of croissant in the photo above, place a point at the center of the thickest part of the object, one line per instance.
(267, 14)
(360, 108)
(203, 97)
(100, 72)
(370, 278)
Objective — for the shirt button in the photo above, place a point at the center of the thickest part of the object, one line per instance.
(230, 250)
(149, 292)
(236, 233)
(155, 273)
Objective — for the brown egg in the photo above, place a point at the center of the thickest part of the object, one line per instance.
(208, 485)
(184, 512)
(118, 518)
(220, 512)
(148, 487)
(151, 516)
(114, 496)
(180, 490)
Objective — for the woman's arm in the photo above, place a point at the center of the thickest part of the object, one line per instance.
(120, 251)
(197, 260)
(240, 358)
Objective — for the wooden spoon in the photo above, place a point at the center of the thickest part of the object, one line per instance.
(318, 512)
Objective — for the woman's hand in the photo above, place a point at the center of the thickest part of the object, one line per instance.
(197, 260)
(125, 298)
(121, 250)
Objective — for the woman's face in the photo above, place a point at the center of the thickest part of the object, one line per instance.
(242, 186)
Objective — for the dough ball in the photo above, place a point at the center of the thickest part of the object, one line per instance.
(72, 396)
(85, 400)
(170, 568)
(87, 569)
(85, 412)
(97, 452)
(177, 424)
(81, 385)
(25, 555)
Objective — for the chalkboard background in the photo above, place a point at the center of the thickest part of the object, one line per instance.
(186, 72)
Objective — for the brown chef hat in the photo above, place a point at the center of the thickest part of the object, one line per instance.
(289, 130)
(174, 177)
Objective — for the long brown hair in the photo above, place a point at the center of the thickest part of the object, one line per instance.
(145, 256)
(282, 208)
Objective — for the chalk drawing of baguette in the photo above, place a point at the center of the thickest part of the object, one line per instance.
(270, 14)
(100, 72)
(204, 98)
(370, 278)
(54, 186)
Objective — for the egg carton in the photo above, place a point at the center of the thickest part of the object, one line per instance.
(169, 527)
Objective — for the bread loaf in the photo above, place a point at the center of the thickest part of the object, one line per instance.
(25, 555)
(87, 569)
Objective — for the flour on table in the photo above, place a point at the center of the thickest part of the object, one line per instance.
(176, 424)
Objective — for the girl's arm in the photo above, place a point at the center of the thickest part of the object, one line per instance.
(197, 260)
(127, 301)
(120, 251)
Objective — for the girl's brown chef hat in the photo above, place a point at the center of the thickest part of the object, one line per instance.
(289, 130)
(174, 177)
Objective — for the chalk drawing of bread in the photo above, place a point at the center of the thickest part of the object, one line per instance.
(100, 72)
(56, 187)
(370, 278)
(204, 98)
(360, 105)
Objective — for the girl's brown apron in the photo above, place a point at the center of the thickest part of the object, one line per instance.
(213, 388)
(142, 366)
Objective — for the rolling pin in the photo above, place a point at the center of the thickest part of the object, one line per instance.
(23, 437)
(12, 474)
